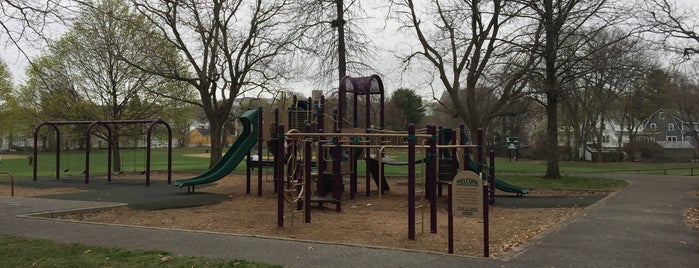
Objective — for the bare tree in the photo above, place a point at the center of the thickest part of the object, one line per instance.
(608, 72)
(334, 37)
(687, 98)
(459, 40)
(30, 25)
(230, 47)
(564, 27)
(673, 22)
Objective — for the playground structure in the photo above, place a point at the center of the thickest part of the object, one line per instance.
(88, 138)
(311, 165)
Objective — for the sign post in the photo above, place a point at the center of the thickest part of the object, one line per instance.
(466, 199)
(468, 194)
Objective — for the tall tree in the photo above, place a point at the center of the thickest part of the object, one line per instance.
(563, 28)
(334, 37)
(687, 98)
(608, 72)
(458, 40)
(6, 100)
(230, 47)
(410, 104)
(91, 72)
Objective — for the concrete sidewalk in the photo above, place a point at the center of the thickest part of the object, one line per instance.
(640, 226)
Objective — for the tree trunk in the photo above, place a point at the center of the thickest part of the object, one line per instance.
(116, 156)
(216, 130)
(600, 138)
(341, 50)
(552, 167)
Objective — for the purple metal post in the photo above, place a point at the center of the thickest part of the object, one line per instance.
(367, 110)
(440, 137)
(381, 107)
(411, 181)
(279, 160)
(307, 158)
(248, 171)
(88, 137)
(260, 141)
(354, 111)
(148, 151)
(337, 174)
(479, 151)
(36, 148)
(450, 220)
(486, 234)
(491, 178)
(432, 177)
(275, 140)
(321, 166)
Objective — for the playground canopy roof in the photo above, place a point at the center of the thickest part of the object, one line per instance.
(362, 85)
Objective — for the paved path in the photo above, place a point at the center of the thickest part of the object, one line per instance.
(640, 226)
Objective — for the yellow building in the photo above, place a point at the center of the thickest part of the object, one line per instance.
(200, 137)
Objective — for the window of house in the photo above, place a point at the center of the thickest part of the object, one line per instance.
(653, 126)
(605, 138)
(662, 115)
(696, 127)
(671, 138)
(670, 127)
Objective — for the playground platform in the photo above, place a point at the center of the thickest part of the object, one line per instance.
(639, 226)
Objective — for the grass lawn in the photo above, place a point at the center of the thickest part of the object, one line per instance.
(524, 172)
(24, 252)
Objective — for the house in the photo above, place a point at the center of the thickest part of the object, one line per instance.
(199, 137)
(613, 138)
(663, 126)
(669, 137)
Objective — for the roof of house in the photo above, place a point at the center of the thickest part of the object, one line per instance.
(202, 131)
(675, 144)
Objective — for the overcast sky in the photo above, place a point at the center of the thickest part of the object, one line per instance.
(382, 33)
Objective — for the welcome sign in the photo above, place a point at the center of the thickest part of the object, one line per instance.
(467, 194)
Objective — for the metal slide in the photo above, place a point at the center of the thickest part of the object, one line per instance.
(502, 185)
(243, 144)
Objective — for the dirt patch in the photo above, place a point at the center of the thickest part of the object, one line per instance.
(198, 155)
(692, 214)
(364, 220)
(12, 156)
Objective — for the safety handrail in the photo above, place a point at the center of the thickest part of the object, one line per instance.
(12, 182)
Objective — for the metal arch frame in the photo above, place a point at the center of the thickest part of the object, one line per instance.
(361, 86)
(88, 137)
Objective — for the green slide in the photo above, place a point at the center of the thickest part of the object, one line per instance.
(240, 148)
(502, 185)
